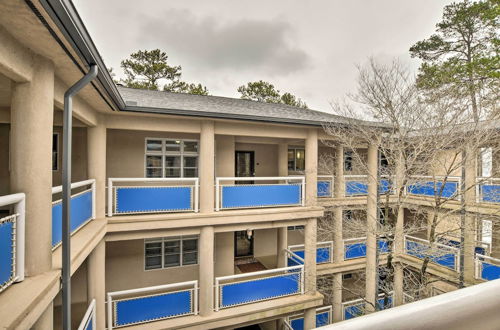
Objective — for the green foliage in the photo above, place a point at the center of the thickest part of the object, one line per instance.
(462, 57)
(146, 69)
(263, 91)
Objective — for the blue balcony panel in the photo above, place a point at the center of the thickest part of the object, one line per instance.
(240, 293)
(420, 250)
(355, 250)
(322, 256)
(431, 188)
(321, 320)
(6, 253)
(489, 271)
(153, 199)
(324, 188)
(359, 188)
(246, 196)
(356, 310)
(490, 193)
(152, 308)
(81, 212)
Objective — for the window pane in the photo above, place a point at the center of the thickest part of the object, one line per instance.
(291, 159)
(172, 246)
(190, 161)
(153, 145)
(300, 159)
(172, 172)
(190, 173)
(153, 172)
(153, 262)
(153, 161)
(190, 146)
(190, 245)
(190, 258)
(172, 161)
(172, 260)
(173, 145)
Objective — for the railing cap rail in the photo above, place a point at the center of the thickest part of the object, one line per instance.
(74, 185)
(262, 272)
(487, 257)
(152, 288)
(153, 179)
(259, 178)
(12, 199)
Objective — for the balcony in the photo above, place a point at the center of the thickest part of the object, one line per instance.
(487, 268)
(324, 253)
(356, 247)
(438, 253)
(12, 240)
(488, 190)
(82, 209)
(443, 187)
(355, 308)
(357, 185)
(235, 290)
(272, 192)
(156, 303)
(155, 195)
(324, 316)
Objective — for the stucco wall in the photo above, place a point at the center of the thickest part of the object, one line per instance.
(4, 160)
(79, 156)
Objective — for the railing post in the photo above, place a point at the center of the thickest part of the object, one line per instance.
(110, 197)
(110, 312)
(218, 194)
(197, 195)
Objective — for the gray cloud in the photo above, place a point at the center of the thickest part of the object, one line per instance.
(242, 45)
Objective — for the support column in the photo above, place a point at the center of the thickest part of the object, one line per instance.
(46, 320)
(96, 282)
(338, 238)
(371, 229)
(207, 166)
(310, 319)
(311, 166)
(470, 219)
(399, 237)
(310, 256)
(495, 238)
(283, 159)
(206, 275)
(282, 245)
(96, 163)
(32, 112)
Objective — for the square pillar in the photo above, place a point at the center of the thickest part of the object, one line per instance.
(371, 230)
(96, 163)
(337, 297)
(32, 113)
(283, 159)
(310, 256)
(206, 275)
(310, 319)
(470, 220)
(282, 245)
(96, 282)
(338, 217)
(311, 166)
(207, 166)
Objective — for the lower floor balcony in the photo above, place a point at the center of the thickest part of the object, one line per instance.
(324, 316)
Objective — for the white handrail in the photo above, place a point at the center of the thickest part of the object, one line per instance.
(79, 184)
(294, 255)
(111, 295)
(90, 313)
(196, 185)
(19, 202)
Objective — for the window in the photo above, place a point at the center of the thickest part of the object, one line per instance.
(384, 163)
(170, 252)
(300, 227)
(55, 152)
(171, 158)
(296, 159)
(348, 161)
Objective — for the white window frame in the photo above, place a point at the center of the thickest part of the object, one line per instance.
(163, 153)
(181, 240)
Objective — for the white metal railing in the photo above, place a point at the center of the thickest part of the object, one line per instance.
(155, 205)
(331, 185)
(293, 257)
(435, 181)
(262, 199)
(320, 310)
(89, 318)
(136, 296)
(474, 307)
(492, 185)
(436, 253)
(494, 263)
(271, 284)
(359, 304)
(17, 218)
(321, 256)
(79, 184)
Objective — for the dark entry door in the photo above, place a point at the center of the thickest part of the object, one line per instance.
(243, 245)
(245, 165)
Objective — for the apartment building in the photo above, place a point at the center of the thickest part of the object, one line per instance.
(195, 212)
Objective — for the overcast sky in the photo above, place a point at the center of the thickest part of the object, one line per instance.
(307, 47)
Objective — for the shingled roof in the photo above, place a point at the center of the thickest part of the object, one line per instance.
(141, 100)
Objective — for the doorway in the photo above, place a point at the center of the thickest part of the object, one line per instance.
(245, 165)
(243, 244)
